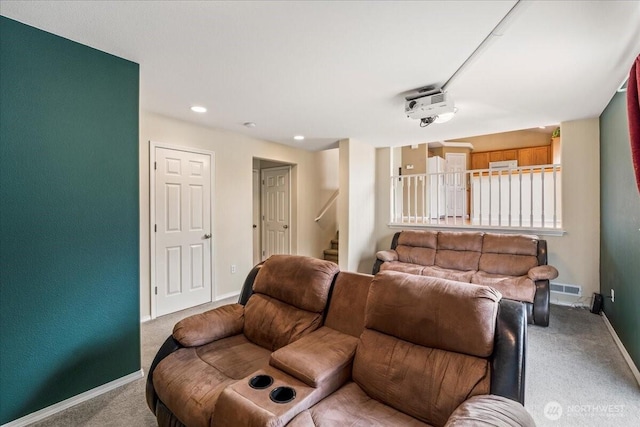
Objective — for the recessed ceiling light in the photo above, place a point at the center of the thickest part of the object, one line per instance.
(298, 137)
(249, 124)
(198, 109)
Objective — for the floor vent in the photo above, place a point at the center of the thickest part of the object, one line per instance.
(560, 288)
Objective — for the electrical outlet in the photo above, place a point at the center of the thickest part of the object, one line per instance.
(613, 295)
(233, 268)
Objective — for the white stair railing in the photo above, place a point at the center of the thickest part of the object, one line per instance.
(327, 205)
(525, 197)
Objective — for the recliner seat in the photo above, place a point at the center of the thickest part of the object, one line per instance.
(209, 351)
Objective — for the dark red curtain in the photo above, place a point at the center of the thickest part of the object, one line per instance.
(633, 110)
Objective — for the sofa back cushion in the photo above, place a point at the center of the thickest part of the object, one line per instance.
(426, 343)
(459, 250)
(426, 383)
(509, 254)
(433, 312)
(417, 247)
(290, 295)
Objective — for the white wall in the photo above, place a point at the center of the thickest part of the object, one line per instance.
(576, 254)
(357, 206)
(328, 183)
(232, 215)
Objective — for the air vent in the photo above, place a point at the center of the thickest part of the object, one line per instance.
(560, 288)
(439, 97)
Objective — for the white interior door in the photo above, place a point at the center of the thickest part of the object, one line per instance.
(456, 166)
(182, 230)
(275, 211)
(256, 217)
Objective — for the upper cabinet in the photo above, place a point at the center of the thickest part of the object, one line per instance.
(529, 156)
(480, 160)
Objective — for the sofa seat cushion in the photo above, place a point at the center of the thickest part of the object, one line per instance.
(447, 273)
(402, 267)
(518, 288)
(189, 380)
(350, 406)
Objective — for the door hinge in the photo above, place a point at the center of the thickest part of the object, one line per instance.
(156, 290)
(155, 165)
(155, 228)
(263, 253)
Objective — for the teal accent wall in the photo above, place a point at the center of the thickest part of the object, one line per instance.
(620, 227)
(69, 269)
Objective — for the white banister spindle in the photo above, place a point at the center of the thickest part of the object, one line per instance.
(500, 197)
(555, 197)
(520, 198)
(531, 205)
(510, 197)
(480, 196)
(490, 176)
(542, 196)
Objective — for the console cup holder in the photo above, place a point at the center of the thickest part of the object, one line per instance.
(260, 381)
(282, 394)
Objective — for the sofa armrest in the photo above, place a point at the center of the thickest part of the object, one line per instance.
(170, 345)
(541, 303)
(210, 326)
(317, 358)
(387, 256)
(542, 272)
(509, 353)
(490, 410)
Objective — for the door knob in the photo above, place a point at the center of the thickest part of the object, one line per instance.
(207, 236)
(285, 226)
(255, 226)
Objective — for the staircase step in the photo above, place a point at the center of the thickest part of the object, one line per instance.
(331, 255)
(334, 243)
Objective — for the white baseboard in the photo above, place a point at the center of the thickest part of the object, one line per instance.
(576, 304)
(144, 319)
(227, 295)
(72, 401)
(625, 354)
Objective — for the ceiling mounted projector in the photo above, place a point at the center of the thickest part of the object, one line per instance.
(429, 107)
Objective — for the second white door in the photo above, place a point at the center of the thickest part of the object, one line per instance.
(275, 211)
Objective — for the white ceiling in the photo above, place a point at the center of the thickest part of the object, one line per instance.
(332, 70)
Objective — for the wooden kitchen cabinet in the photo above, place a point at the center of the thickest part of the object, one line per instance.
(510, 154)
(480, 160)
(541, 155)
(529, 156)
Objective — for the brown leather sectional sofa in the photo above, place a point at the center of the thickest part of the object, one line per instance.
(513, 264)
(308, 345)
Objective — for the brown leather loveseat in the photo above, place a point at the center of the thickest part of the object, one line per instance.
(393, 349)
(514, 264)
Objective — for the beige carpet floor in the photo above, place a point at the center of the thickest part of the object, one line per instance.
(575, 376)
